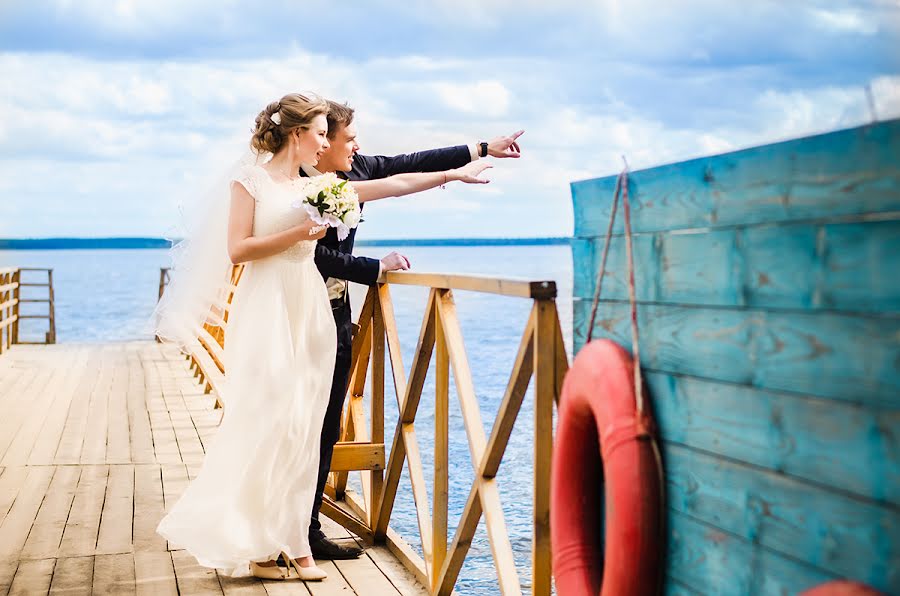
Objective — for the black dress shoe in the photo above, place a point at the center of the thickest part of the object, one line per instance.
(326, 549)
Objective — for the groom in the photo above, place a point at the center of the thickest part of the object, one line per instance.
(337, 265)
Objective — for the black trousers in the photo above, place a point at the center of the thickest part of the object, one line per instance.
(331, 427)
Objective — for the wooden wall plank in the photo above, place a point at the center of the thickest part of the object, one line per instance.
(837, 444)
(673, 587)
(711, 561)
(844, 267)
(800, 179)
(856, 359)
(827, 530)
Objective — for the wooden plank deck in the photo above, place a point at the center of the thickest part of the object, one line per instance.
(96, 442)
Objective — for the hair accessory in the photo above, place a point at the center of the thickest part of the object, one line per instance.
(276, 118)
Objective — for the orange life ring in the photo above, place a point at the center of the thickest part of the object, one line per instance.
(842, 587)
(602, 443)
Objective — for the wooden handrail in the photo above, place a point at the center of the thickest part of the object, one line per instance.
(541, 356)
(9, 307)
(518, 288)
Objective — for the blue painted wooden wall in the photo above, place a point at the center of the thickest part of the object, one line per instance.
(769, 290)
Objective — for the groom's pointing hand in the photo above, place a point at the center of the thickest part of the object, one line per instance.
(505, 146)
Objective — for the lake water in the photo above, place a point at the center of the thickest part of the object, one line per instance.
(108, 295)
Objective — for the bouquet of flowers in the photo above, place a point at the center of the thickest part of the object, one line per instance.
(330, 201)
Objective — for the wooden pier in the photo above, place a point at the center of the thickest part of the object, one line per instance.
(96, 442)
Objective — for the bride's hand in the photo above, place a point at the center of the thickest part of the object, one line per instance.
(469, 173)
(310, 230)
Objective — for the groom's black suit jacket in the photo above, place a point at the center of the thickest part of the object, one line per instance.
(333, 257)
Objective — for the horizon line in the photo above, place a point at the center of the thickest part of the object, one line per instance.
(158, 242)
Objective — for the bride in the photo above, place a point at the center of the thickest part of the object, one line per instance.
(252, 498)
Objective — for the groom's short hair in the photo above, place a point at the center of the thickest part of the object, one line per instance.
(339, 116)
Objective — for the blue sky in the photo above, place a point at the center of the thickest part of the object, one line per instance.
(113, 112)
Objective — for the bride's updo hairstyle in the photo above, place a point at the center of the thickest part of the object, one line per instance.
(279, 118)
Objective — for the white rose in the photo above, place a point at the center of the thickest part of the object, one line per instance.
(352, 218)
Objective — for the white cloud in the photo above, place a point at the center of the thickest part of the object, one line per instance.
(845, 21)
(886, 96)
(489, 98)
(798, 113)
(104, 143)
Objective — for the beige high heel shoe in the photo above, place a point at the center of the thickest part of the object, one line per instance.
(307, 574)
(269, 572)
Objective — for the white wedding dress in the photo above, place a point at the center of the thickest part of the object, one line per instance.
(253, 496)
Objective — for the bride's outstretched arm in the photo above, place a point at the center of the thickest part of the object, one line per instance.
(243, 246)
(399, 185)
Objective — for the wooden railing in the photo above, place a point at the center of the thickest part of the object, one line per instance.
(50, 300)
(206, 354)
(541, 355)
(11, 299)
(9, 308)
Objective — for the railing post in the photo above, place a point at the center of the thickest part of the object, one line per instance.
(441, 451)
(544, 396)
(51, 333)
(377, 433)
(16, 279)
(7, 310)
(4, 279)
